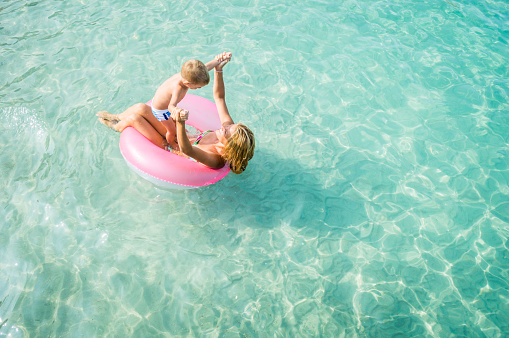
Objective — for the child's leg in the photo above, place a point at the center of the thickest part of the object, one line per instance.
(171, 131)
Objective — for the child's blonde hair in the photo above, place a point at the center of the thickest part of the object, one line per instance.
(240, 148)
(195, 72)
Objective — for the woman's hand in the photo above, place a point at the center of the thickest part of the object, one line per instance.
(224, 56)
(180, 115)
(223, 59)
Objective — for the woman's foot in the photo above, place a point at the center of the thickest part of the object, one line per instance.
(107, 116)
(108, 123)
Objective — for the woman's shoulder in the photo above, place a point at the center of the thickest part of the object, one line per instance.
(210, 156)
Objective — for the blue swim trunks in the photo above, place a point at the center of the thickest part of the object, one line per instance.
(161, 114)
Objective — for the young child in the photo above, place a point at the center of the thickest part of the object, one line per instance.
(194, 75)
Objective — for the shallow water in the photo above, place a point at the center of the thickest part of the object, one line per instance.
(377, 202)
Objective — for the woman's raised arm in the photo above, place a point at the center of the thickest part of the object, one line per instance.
(218, 59)
(219, 94)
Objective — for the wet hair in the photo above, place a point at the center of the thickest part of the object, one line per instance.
(195, 72)
(239, 149)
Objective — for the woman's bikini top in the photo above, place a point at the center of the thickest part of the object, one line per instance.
(200, 136)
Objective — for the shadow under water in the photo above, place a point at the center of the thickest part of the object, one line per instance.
(277, 190)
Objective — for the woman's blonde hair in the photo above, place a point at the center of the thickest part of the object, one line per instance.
(195, 72)
(240, 148)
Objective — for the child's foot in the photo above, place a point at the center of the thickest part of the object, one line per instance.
(174, 146)
(170, 147)
(107, 116)
(108, 123)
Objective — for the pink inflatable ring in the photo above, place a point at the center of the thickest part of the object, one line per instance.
(166, 169)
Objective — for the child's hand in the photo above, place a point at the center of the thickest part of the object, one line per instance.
(223, 59)
(180, 115)
(184, 115)
(223, 56)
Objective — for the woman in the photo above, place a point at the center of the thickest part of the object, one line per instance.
(233, 143)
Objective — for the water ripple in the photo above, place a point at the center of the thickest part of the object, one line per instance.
(376, 202)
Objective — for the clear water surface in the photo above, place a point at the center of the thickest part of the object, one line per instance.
(377, 203)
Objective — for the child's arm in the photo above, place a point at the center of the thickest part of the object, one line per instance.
(169, 124)
(218, 59)
(176, 96)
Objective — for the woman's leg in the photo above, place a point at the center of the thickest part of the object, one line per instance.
(138, 109)
(146, 112)
(140, 117)
(142, 110)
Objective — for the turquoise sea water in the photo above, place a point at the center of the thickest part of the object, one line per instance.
(377, 203)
